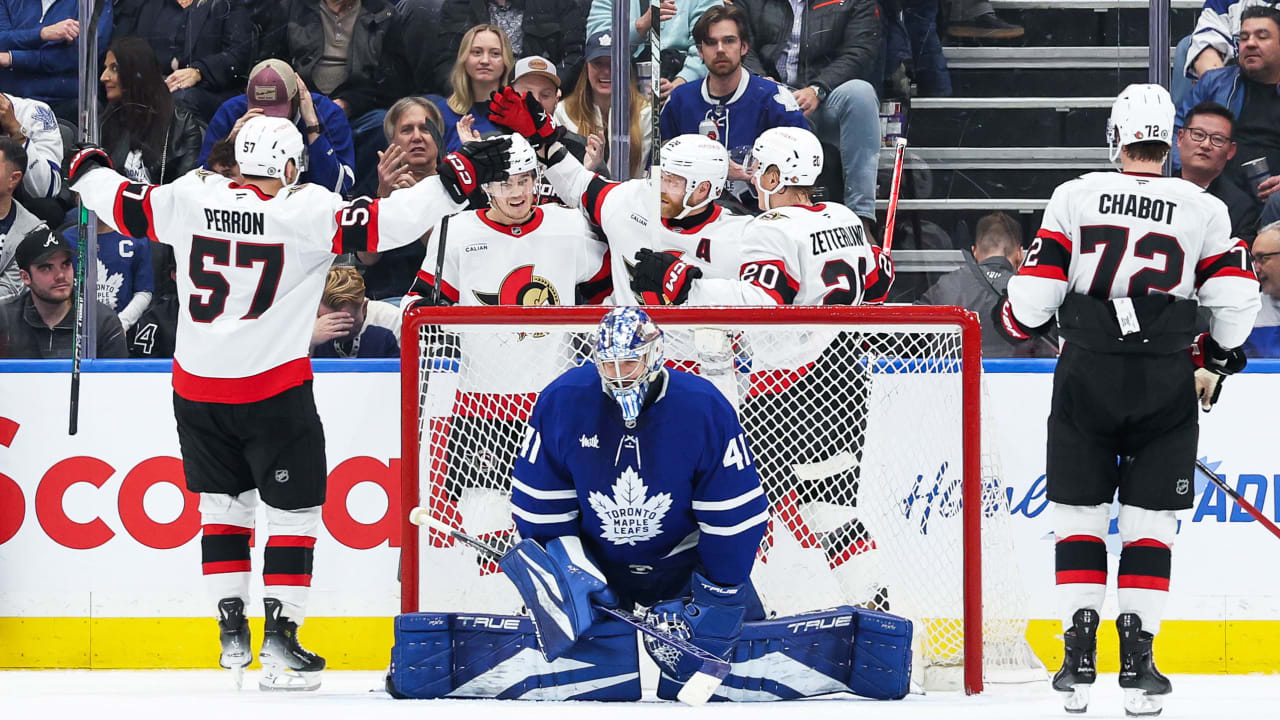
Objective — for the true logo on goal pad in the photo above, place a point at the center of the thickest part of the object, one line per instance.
(629, 516)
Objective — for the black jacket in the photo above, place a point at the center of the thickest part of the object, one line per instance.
(377, 70)
(181, 155)
(23, 333)
(978, 287)
(554, 29)
(840, 41)
(214, 37)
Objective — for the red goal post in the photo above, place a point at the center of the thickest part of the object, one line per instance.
(421, 355)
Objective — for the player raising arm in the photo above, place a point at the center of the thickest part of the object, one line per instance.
(252, 264)
(1118, 260)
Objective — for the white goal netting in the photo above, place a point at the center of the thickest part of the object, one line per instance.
(856, 420)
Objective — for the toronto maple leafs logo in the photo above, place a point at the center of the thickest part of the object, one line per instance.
(630, 516)
(109, 286)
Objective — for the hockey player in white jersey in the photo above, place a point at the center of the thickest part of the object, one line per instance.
(1121, 259)
(253, 259)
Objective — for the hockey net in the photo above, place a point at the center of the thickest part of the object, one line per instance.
(864, 422)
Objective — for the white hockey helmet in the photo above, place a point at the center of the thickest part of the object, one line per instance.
(1143, 112)
(697, 159)
(265, 145)
(521, 159)
(796, 152)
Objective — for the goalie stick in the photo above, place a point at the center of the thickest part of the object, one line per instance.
(895, 189)
(699, 688)
(1230, 491)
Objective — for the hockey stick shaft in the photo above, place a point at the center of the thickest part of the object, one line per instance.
(655, 106)
(696, 691)
(895, 190)
(1248, 506)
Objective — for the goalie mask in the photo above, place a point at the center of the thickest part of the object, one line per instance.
(697, 159)
(265, 145)
(1141, 113)
(628, 357)
(796, 153)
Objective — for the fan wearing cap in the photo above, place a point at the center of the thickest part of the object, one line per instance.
(40, 323)
(586, 109)
(275, 90)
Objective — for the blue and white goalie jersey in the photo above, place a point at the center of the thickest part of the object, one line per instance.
(652, 503)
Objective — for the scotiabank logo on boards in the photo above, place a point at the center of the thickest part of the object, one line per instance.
(52, 518)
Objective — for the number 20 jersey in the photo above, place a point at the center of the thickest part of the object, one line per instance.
(1112, 235)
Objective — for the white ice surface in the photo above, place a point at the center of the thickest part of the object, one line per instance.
(194, 695)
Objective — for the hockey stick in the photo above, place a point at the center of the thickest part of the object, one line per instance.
(444, 236)
(696, 691)
(1248, 506)
(655, 98)
(895, 189)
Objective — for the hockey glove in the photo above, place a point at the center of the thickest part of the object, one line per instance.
(83, 158)
(711, 619)
(1010, 328)
(661, 278)
(521, 113)
(474, 164)
(558, 585)
(1213, 363)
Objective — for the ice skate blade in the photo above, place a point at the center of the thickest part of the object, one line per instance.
(1137, 703)
(286, 680)
(1076, 701)
(237, 677)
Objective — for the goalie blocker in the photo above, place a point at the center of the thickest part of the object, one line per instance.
(457, 655)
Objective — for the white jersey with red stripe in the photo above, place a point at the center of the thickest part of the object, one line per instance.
(625, 212)
(252, 268)
(1114, 235)
(552, 259)
(802, 255)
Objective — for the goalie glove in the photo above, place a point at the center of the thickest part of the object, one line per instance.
(466, 169)
(522, 114)
(710, 618)
(1213, 363)
(1010, 328)
(558, 585)
(84, 157)
(661, 278)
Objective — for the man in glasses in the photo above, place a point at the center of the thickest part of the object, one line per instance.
(1206, 146)
(1264, 341)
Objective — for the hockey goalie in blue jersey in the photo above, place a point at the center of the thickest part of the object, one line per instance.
(636, 488)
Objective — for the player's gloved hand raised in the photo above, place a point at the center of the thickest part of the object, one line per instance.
(521, 113)
(464, 170)
(1213, 363)
(660, 278)
(82, 158)
(710, 618)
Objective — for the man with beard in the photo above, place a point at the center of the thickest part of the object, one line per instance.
(1264, 341)
(39, 323)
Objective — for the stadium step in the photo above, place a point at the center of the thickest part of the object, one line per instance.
(1002, 158)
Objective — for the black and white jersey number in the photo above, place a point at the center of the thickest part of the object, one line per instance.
(205, 275)
(1110, 243)
(844, 282)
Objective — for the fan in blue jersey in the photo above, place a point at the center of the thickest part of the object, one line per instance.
(635, 486)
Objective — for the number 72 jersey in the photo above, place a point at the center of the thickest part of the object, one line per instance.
(1112, 235)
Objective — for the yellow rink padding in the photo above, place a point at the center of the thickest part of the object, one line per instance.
(364, 643)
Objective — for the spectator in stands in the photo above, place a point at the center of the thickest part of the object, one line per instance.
(1249, 91)
(1206, 147)
(222, 160)
(738, 105)
(910, 30)
(125, 281)
(977, 20)
(830, 57)
(1210, 45)
(483, 64)
(585, 109)
(681, 61)
(343, 328)
(982, 281)
(413, 129)
(15, 221)
(31, 124)
(537, 75)
(552, 29)
(38, 55)
(39, 323)
(275, 90)
(153, 335)
(1264, 341)
(204, 47)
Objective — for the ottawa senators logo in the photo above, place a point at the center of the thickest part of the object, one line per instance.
(521, 287)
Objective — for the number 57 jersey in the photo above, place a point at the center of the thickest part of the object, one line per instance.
(1114, 235)
(251, 268)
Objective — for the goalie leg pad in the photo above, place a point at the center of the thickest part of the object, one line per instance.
(458, 655)
(834, 651)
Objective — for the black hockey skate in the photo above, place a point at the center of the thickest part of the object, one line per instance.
(1143, 684)
(1079, 661)
(286, 665)
(234, 633)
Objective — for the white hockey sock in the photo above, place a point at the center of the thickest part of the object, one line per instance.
(1145, 563)
(227, 527)
(1080, 557)
(287, 560)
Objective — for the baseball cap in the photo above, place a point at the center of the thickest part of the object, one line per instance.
(599, 45)
(535, 65)
(39, 244)
(272, 87)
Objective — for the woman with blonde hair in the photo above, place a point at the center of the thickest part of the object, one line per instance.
(484, 64)
(584, 111)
